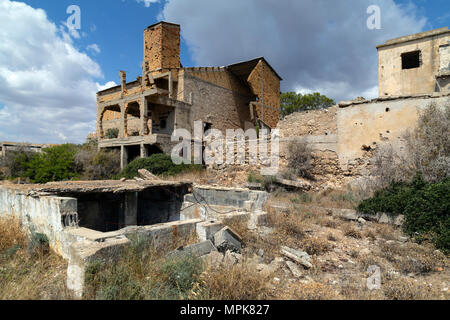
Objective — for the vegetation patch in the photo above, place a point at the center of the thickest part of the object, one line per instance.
(159, 164)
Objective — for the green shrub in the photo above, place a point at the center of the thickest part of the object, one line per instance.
(426, 207)
(112, 133)
(53, 164)
(159, 164)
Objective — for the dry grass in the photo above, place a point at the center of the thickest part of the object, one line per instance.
(350, 230)
(313, 290)
(409, 289)
(238, 282)
(386, 231)
(413, 258)
(315, 245)
(11, 234)
(28, 273)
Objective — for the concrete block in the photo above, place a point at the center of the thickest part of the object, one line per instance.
(206, 230)
(227, 239)
(196, 250)
(298, 256)
(257, 219)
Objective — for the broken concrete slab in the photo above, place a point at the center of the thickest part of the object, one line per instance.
(231, 258)
(295, 270)
(194, 250)
(227, 239)
(298, 256)
(206, 230)
(297, 185)
(213, 259)
(147, 175)
(84, 252)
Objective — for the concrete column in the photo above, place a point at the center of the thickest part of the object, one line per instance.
(143, 151)
(144, 116)
(122, 120)
(123, 157)
(130, 209)
(170, 85)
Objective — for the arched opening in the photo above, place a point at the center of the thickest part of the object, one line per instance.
(110, 122)
(132, 119)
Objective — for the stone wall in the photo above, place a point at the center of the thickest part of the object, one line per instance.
(162, 46)
(268, 91)
(343, 138)
(224, 108)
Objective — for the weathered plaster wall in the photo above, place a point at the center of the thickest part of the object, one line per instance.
(45, 215)
(393, 81)
(342, 138)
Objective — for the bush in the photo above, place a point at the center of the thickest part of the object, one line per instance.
(97, 165)
(112, 133)
(426, 150)
(53, 164)
(299, 159)
(15, 163)
(159, 164)
(426, 207)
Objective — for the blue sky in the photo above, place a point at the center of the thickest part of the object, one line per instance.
(49, 76)
(116, 26)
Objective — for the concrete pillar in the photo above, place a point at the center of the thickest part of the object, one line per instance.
(144, 116)
(123, 157)
(143, 151)
(130, 209)
(122, 120)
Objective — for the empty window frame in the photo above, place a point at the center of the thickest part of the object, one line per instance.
(411, 60)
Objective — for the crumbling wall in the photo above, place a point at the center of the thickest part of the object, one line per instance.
(344, 138)
(220, 106)
(266, 86)
(48, 215)
(395, 81)
(162, 46)
(313, 122)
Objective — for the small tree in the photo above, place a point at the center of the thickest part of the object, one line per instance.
(53, 164)
(293, 102)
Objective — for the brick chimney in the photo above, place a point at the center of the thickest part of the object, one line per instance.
(162, 47)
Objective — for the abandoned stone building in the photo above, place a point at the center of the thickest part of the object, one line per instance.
(415, 64)
(414, 71)
(139, 117)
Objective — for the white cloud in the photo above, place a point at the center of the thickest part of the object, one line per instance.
(147, 3)
(105, 86)
(94, 48)
(313, 44)
(47, 86)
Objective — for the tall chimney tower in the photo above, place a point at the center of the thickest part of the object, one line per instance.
(161, 47)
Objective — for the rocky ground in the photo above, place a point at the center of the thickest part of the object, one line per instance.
(307, 253)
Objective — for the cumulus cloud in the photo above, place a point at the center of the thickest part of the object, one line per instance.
(94, 48)
(147, 3)
(47, 86)
(314, 44)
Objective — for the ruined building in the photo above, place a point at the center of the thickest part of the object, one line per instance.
(414, 71)
(415, 64)
(139, 117)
